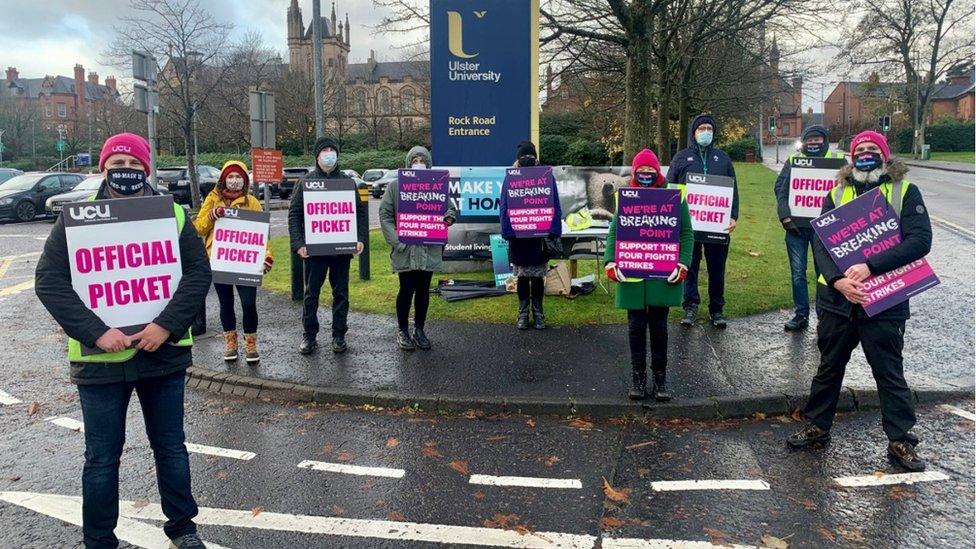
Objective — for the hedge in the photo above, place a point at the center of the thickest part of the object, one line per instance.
(359, 161)
(553, 149)
(737, 149)
(941, 137)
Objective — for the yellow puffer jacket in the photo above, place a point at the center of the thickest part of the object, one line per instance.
(205, 225)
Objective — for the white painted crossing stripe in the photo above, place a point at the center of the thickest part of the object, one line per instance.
(68, 509)
(959, 412)
(681, 485)
(634, 543)
(220, 452)
(67, 423)
(8, 399)
(352, 469)
(885, 480)
(528, 482)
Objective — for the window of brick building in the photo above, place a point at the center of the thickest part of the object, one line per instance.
(62, 110)
(47, 111)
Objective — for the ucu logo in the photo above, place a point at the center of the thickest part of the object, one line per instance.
(628, 193)
(121, 149)
(231, 212)
(826, 220)
(696, 178)
(94, 211)
(315, 185)
(515, 172)
(408, 173)
(803, 162)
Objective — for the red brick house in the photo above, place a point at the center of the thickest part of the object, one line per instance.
(954, 98)
(60, 99)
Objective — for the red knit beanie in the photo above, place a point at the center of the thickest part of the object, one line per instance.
(125, 143)
(868, 136)
(646, 158)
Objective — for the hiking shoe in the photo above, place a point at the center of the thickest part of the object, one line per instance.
(189, 541)
(659, 391)
(405, 341)
(718, 320)
(339, 345)
(251, 348)
(230, 346)
(638, 387)
(903, 453)
(308, 346)
(796, 324)
(689, 319)
(809, 435)
(420, 338)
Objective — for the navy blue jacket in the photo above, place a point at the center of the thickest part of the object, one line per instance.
(707, 160)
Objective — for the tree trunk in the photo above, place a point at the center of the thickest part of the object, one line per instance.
(191, 163)
(664, 119)
(638, 131)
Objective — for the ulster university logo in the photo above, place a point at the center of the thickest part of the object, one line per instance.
(454, 34)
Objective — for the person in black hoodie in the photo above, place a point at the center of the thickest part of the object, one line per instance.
(317, 268)
(703, 157)
(842, 322)
(152, 362)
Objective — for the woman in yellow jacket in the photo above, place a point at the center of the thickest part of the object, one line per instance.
(231, 191)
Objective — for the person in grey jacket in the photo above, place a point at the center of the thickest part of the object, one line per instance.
(414, 263)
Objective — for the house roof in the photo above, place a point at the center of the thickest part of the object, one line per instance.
(325, 27)
(882, 89)
(952, 91)
(59, 85)
(395, 71)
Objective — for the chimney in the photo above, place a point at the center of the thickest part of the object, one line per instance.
(548, 81)
(79, 82)
(960, 80)
(110, 84)
(12, 74)
(93, 78)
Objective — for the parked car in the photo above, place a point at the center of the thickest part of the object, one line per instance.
(352, 174)
(378, 187)
(289, 179)
(373, 174)
(176, 180)
(23, 196)
(7, 173)
(82, 191)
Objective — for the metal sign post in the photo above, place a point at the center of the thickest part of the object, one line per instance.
(144, 69)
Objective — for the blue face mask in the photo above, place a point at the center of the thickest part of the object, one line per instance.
(704, 138)
(868, 161)
(328, 158)
(646, 179)
(813, 149)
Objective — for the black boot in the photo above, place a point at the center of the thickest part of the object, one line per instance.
(660, 390)
(523, 315)
(308, 345)
(638, 389)
(420, 338)
(405, 341)
(537, 316)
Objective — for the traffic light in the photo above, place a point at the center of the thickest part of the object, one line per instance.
(772, 124)
(885, 123)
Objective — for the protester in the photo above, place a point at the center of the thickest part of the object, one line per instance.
(648, 301)
(528, 256)
(843, 324)
(702, 156)
(152, 362)
(336, 267)
(232, 191)
(799, 235)
(414, 264)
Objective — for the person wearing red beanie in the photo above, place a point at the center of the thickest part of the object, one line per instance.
(843, 324)
(647, 301)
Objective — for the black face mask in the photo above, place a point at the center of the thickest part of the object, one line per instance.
(814, 149)
(526, 161)
(868, 161)
(126, 181)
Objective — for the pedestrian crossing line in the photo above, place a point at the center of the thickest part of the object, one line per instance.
(67, 423)
(17, 288)
(526, 482)
(959, 412)
(352, 469)
(886, 480)
(636, 543)
(683, 485)
(7, 399)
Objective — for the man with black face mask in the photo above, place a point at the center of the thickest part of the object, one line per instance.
(152, 363)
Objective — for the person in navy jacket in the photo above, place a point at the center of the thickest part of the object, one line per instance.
(701, 156)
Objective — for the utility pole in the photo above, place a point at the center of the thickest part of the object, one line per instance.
(1, 148)
(146, 99)
(317, 67)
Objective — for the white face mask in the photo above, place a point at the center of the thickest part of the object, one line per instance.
(419, 166)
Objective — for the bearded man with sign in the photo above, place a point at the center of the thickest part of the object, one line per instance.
(108, 364)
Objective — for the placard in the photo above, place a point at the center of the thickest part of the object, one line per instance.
(648, 232)
(811, 179)
(530, 197)
(124, 256)
(709, 199)
(864, 227)
(239, 246)
(499, 259)
(422, 201)
(266, 165)
(330, 216)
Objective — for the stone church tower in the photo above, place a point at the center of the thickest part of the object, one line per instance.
(335, 43)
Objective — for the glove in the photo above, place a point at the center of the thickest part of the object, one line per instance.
(614, 273)
(448, 220)
(401, 246)
(268, 263)
(215, 213)
(678, 274)
(790, 226)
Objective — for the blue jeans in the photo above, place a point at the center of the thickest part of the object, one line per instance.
(104, 409)
(796, 250)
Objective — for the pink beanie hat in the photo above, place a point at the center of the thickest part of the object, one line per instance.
(872, 137)
(125, 143)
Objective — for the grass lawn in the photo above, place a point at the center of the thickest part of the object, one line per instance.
(757, 276)
(958, 156)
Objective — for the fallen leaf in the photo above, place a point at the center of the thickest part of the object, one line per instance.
(473, 414)
(255, 511)
(497, 438)
(139, 503)
(754, 253)
(530, 422)
(430, 450)
(809, 505)
(33, 408)
(667, 455)
(328, 449)
(338, 509)
(392, 442)
(479, 495)
(13, 478)
(550, 461)
(310, 414)
(797, 415)
(460, 467)
(717, 537)
(759, 416)
(643, 472)
(773, 542)
(501, 521)
(850, 535)
(344, 456)
(621, 495)
(642, 444)
(396, 516)
(827, 534)
(580, 423)
(606, 523)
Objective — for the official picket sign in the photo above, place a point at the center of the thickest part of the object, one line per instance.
(810, 181)
(531, 195)
(709, 199)
(124, 256)
(864, 227)
(240, 244)
(422, 202)
(648, 232)
(330, 216)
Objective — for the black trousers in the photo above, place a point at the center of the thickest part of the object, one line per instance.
(715, 257)
(530, 287)
(640, 323)
(414, 286)
(249, 307)
(882, 342)
(317, 268)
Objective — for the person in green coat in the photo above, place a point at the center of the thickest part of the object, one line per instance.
(414, 263)
(648, 301)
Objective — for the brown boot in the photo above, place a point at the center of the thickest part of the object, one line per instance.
(251, 348)
(230, 345)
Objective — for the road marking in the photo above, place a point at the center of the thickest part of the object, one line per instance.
(885, 480)
(67, 423)
(528, 482)
(4, 265)
(634, 543)
(68, 509)
(17, 288)
(959, 412)
(352, 469)
(954, 227)
(8, 399)
(681, 485)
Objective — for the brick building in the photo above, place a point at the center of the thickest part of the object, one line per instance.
(954, 98)
(785, 102)
(851, 106)
(60, 99)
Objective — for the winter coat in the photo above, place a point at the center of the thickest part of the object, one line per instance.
(296, 210)
(409, 257)
(52, 284)
(528, 252)
(782, 186)
(708, 160)
(205, 225)
(916, 232)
